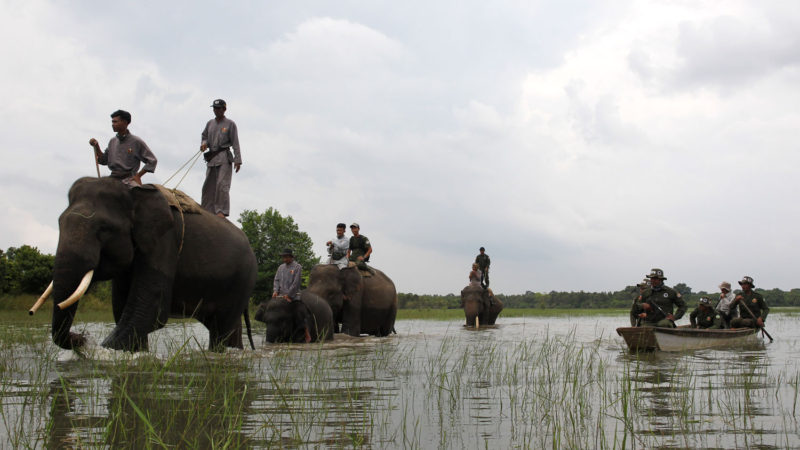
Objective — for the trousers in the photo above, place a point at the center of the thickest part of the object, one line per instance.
(216, 189)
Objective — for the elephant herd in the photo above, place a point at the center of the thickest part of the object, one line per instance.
(173, 259)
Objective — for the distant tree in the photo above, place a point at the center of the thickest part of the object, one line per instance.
(269, 233)
(4, 275)
(683, 289)
(27, 270)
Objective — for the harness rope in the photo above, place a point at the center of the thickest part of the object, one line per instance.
(192, 160)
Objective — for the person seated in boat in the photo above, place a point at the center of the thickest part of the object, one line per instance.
(634, 313)
(704, 316)
(753, 309)
(655, 304)
(724, 308)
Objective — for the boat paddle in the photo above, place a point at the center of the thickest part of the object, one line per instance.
(741, 302)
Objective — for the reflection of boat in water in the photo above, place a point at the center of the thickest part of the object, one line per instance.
(684, 338)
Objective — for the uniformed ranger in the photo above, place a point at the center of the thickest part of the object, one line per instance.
(286, 284)
(337, 247)
(635, 320)
(655, 304)
(753, 309)
(484, 262)
(218, 137)
(360, 249)
(704, 316)
(125, 152)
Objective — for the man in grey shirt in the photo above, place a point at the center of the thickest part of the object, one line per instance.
(287, 280)
(724, 306)
(218, 137)
(125, 152)
(338, 246)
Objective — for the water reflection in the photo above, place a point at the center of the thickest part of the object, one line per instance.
(524, 383)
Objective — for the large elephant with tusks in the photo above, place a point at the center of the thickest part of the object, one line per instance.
(163, 261)
(361, 304)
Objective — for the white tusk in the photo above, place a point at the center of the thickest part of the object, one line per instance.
(477, 323)
(42, 299)
(87, 279)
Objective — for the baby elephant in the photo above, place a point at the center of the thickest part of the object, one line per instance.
(307, 319)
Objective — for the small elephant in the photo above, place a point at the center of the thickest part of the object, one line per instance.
(480, 303)
(361, 304)
(307, 319)
(163, 262)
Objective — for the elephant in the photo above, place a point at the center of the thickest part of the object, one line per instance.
(307, 319)
(480, 303)
(163, 262)
(361, 304)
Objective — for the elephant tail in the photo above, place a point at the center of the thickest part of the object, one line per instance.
(249, 331)
(393, 330)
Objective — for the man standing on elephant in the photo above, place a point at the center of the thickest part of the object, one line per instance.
(655, 304)
(360, 248)
(338, 247)
(218, 137)
(287, 279)
(483, 263)
(124, 152)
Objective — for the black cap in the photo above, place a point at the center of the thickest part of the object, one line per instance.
(341, 225)
(287, 252)
(482, 249)
(218, 103)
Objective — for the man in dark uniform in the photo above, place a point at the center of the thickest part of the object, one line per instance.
(753, 309)
(124, 152)
(704, 316)
(360, 248)
(634, 313)
(218, 137)
(483, 263)
(655, 303)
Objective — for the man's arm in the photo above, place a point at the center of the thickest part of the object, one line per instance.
(276, 282)
(693, 317)
(147, 158)
(204, 139)
(681, 304)
(369, 251)
(233, 135)
(99, 156)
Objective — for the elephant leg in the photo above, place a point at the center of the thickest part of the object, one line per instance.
(223, 332)
(351, 318)
(120, 288)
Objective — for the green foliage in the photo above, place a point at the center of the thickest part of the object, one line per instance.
(269, 233)
(25, 270)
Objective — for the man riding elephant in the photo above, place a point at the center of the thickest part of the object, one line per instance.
(655, 304)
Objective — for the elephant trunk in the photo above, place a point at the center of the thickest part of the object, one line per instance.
(71, 277)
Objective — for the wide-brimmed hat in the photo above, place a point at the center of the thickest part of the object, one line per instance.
(645, 282)
(287, 252)
(725, 285)
(747, 280)
(656, 273)
(705, 301)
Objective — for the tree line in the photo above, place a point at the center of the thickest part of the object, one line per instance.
(26, 270)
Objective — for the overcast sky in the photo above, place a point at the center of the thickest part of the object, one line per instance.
(580, 142)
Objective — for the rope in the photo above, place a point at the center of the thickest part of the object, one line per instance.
(192, 160)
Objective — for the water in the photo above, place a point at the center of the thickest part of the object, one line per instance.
(528, 382)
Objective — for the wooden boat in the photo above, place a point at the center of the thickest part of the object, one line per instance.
(685, 338)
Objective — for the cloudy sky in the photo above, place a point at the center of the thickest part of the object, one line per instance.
(580, 142)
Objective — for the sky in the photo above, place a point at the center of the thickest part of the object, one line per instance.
(582, 143)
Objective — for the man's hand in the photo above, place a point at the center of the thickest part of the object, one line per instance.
(642, 315)
(760, 322)
(646, 306)
(738, 298)
(274, 294)
(671, 317)
(360, 258)
(93, 143)
(203, 147)
(137, 178)
(237, 167)
(286, 297)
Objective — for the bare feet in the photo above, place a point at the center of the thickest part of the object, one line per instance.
(221, 215)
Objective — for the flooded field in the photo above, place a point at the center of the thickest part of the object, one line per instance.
(528, 383)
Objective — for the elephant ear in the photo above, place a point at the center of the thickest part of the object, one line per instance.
(151, 217)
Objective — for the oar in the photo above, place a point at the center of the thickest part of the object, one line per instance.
(741, 302)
